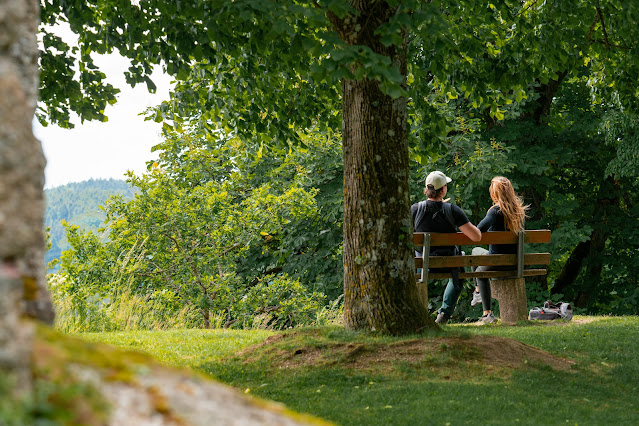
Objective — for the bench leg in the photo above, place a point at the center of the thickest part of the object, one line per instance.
(422, 293)
(511, 294)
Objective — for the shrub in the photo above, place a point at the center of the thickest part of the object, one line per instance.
(277, 302)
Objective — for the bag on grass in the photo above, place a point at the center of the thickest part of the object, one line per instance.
(551, 311)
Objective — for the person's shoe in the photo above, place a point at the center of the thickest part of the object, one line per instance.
(441, 319)
(476, 298)
(489, 318)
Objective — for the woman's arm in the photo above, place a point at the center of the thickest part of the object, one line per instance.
(488, 221)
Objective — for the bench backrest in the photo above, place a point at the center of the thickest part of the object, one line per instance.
(519, 260)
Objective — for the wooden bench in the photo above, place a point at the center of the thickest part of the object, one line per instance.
(508, 287)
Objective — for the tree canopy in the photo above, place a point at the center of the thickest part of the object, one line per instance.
(280, 62)
(404, 72)
(212, 237)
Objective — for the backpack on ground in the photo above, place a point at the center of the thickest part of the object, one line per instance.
(551, 311)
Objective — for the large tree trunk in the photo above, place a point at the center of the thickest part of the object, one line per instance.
(380, 292)
(572, 268)
(21, 184)
(594, 266)
(547, 94)
(589, 254)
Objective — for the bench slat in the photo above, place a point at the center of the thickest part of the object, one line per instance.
(485, 274)
(487, 260)
(501, 237)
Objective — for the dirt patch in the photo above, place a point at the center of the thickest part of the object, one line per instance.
(500, 351)
(483, 353)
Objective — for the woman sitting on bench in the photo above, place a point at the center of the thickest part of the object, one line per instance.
(508, 213)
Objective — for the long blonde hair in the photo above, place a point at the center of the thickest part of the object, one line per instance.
(511, 205)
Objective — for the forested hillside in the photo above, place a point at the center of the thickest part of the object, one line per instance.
(79, 204)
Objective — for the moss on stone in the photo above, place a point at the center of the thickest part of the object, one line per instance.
(60, 394)
(30, 288)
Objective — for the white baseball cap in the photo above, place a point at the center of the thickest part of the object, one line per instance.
(437, 179)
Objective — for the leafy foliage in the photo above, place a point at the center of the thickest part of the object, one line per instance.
(278, 302)
(622, 133)
(252, 56)
(542, 91)
(567, 168)
(203, 233)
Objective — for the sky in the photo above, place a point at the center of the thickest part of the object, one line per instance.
(105, 150)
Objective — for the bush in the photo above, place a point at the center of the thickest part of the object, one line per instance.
(277, 302)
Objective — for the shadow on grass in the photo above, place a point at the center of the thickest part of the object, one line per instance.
(355, 379)
(349, 397)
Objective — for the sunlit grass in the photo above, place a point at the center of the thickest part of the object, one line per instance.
(601, 388)
(191, 347)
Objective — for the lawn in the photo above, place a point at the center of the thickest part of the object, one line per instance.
(583, 372)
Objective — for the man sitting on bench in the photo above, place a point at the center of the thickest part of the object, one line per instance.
(436, 215)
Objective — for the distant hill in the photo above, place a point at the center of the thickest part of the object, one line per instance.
(78, 203)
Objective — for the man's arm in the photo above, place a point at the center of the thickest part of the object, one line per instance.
(468, 229)
(471, 231)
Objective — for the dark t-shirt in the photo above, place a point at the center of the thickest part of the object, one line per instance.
(494, 221)
(428, 216)
(429, 222)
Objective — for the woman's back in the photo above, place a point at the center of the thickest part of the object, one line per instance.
(495, 221)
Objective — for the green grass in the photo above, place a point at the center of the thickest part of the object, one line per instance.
(445, 387)
(182, 348)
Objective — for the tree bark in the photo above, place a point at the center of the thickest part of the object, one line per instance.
(594, 266)
(539, 112)
(571, 269)
(380, 292)
(21, 189)
(547, 94)
(589, 252)
(206, 316)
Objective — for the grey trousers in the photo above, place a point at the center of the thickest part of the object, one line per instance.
(484, 283)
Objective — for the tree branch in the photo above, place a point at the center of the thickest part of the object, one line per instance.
(267, 309)
(603, 28)
(192, 267)
(233, 247)
(592, 27)
(615, 46)
(526, 8)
